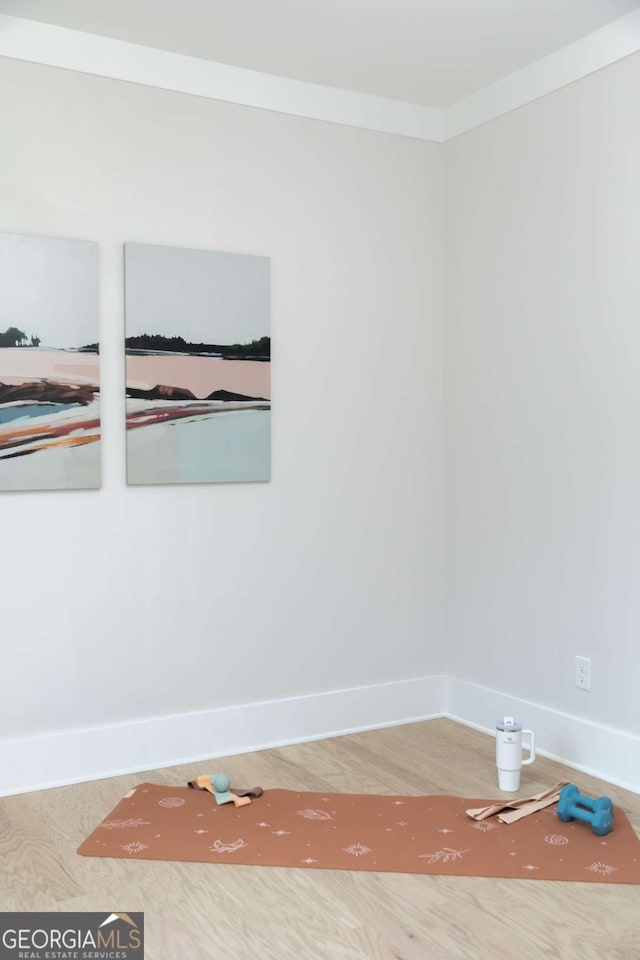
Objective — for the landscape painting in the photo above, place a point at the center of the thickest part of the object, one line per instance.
(49, 364)
(198, 353)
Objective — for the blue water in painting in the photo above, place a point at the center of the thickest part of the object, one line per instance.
(29, 410)
(225, 447)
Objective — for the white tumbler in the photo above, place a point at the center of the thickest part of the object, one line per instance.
(509, 760)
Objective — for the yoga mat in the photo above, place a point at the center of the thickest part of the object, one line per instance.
(286, 828)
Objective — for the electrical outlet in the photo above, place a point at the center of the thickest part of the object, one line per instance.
(582, 666)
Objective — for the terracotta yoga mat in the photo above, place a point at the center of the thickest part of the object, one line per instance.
(284, 828)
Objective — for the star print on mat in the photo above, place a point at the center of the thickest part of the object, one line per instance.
(357, 850)
(137, 846)
(604, 868)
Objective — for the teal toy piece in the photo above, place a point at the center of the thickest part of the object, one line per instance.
(573, 806)
(221, 783)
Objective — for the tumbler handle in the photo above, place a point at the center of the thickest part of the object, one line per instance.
(531, 748)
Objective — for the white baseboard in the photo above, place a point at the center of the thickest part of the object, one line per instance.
(604, 752)
(75, 756)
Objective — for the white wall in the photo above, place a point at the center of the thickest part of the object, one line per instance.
(542, 395)
(141, 602)
(137, 603)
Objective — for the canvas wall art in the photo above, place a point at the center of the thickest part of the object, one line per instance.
(198, 352)
(49, 364)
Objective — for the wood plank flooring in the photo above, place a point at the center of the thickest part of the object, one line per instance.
(205, 911)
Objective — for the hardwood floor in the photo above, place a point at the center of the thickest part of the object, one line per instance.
(195, 911)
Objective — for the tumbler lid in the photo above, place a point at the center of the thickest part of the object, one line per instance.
(509, 725)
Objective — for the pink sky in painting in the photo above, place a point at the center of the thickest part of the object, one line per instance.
(201, 375)
(21, 364)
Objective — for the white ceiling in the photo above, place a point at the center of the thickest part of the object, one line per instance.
(429, 52)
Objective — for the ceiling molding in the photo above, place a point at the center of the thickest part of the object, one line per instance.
(599, 49)
(88, 53)
(119, 60)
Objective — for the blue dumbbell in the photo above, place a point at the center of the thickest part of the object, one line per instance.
(573, 806)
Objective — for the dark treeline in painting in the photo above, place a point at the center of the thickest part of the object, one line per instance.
(156, 343)
(12, 337)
